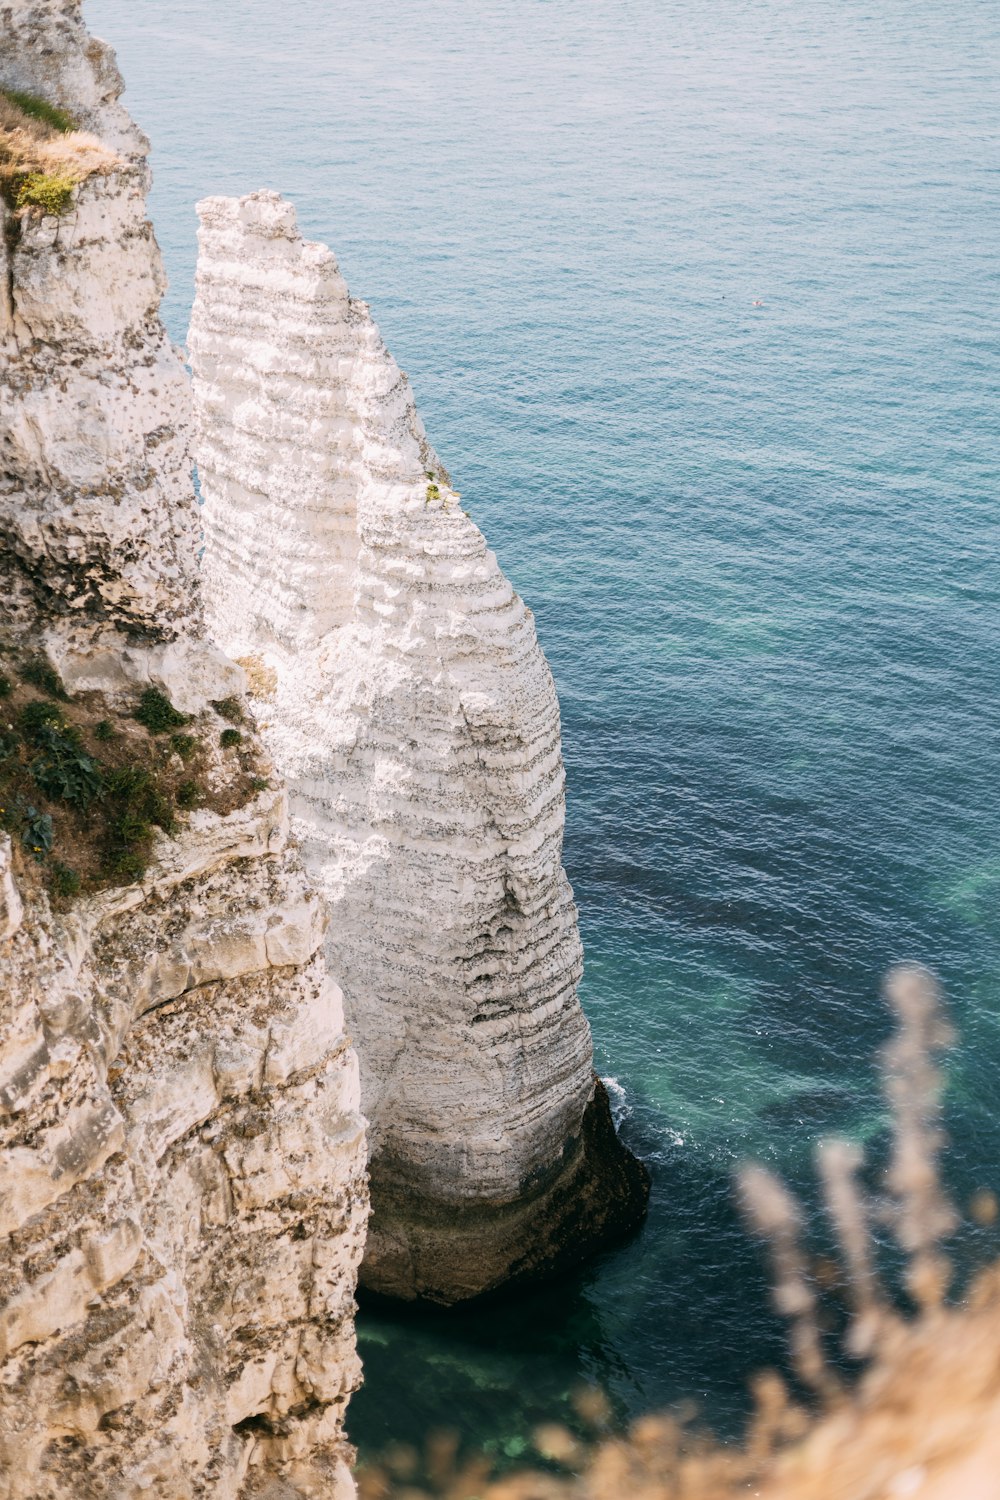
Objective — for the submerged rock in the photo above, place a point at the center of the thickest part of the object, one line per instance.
(405, 699)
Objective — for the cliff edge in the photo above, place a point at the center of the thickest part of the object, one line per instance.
(182, 1177)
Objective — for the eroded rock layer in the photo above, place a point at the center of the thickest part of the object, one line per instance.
(182, 1156)
(404, 696)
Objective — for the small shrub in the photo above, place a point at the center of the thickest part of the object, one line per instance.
(183, 745)
(64, 771)
(5, 686)
(229, 737)
(156, 712)
(37, 717)
(104, 730)
(42, 675)
(36, 833)
(49, 191)
(229, 708)
(140, 796)
(134, 803)
(259, 783)
(188, 795)
(41, 109)
(65, 882)
(126, 864)
(433, 492)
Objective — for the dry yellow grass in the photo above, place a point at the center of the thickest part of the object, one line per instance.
(40, 161)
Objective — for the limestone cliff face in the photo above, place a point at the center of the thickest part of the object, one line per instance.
(404, 696)
(182, 1158)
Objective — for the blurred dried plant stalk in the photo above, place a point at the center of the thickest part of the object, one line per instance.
(923, 1420)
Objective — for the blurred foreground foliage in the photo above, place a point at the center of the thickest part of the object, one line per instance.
(921, 1423)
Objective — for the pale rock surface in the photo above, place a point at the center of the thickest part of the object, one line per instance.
(403, 695)
(182, 1154)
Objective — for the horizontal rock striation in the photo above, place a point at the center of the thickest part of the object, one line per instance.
(182, 1155)
(404, 697)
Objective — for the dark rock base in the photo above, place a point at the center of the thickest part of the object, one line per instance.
(595, 1196)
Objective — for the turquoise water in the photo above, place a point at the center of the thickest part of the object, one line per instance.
(760, 542)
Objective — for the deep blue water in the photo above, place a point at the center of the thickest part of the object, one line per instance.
(760, 542)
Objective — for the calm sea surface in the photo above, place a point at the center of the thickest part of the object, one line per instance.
(761, 543)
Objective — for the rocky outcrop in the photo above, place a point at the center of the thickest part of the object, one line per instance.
(403, 694)
(182, 1177)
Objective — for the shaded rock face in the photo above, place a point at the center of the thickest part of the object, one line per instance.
(410, 708)
(182, 1154)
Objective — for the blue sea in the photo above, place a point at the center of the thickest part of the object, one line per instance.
(700, 304)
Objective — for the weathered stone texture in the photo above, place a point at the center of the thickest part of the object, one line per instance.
(413, 714)
(182, 1158)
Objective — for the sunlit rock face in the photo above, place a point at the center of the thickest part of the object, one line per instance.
(182, 1155)
(403, 695)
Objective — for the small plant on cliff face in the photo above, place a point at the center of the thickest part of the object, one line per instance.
(188, 795)
(156, 712)
(229, 738)
(134, 804)
(433, 493)
(104, 730)
(64, 771)
(36, 717)
(36, 833)
(229, 708)
(42, 675)
(52, 192)
(64, 881)
(5, 686)
(183, 745)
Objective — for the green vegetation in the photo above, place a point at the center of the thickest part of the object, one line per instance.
(433, 493)
(36, 717)
(36, 832)
(74, 786)
(52, 192)
(63, 771)
(42, 675)
(34, 828)
(41, 110)
(259, 783)
(183, 745)
(65, 882)
(135, 804)
(229, 708)
(5, 686)
(156, 712)
(39, 168)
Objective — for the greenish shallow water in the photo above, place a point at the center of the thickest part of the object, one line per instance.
(760, 543)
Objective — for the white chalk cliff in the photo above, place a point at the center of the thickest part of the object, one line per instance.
(182, 1156)
(404, 697)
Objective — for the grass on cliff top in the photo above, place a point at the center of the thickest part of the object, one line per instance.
(42, 154)
(38, 109)
(85, 784)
